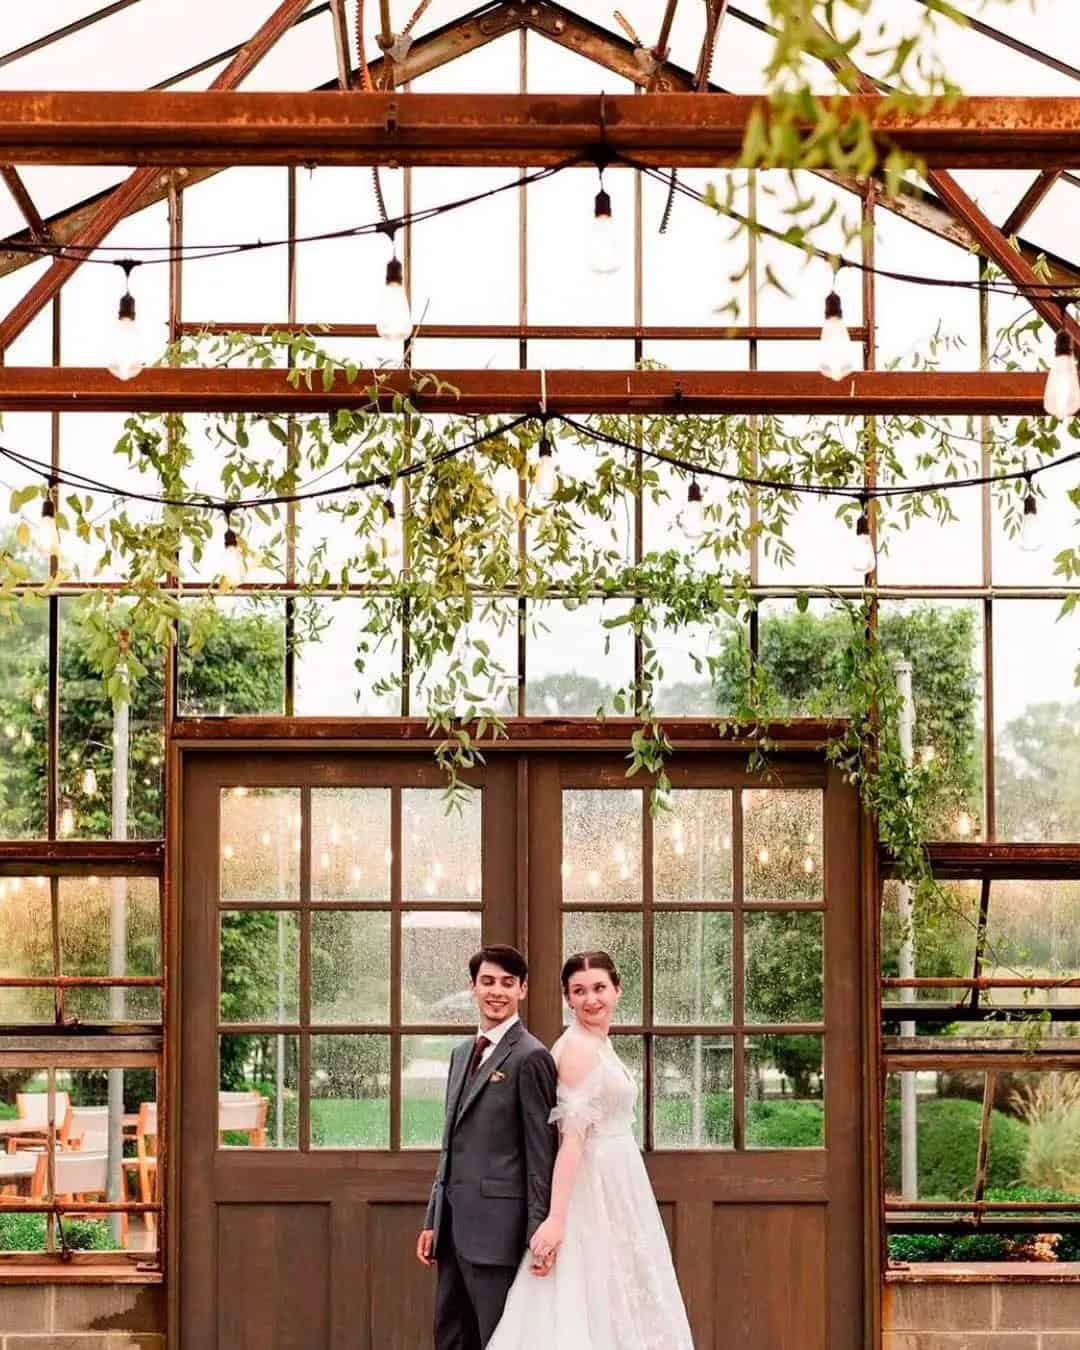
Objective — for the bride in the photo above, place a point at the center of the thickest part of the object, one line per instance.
(599, 1274)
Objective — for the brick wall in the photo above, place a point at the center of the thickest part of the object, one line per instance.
(81, 1317)
(983, 1308)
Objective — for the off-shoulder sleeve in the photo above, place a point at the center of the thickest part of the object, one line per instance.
(577, 1098)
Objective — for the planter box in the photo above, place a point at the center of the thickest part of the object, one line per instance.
(989, 1306)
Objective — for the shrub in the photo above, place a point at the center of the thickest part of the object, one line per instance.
(919, 1247)
(1051, 1107)
(791, 1124)
(980, 1247)
(948, 1146)
(26, 1233)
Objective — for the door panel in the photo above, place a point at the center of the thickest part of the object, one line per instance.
(328, 910)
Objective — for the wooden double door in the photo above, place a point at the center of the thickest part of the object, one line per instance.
(328, 908)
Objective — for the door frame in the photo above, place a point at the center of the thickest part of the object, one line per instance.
(195, 738)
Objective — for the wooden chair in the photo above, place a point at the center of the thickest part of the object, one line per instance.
(33, 1112)
(78, 1176)
(85, 1128)
(144, 1164)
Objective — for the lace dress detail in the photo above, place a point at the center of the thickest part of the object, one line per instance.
(613, 1286)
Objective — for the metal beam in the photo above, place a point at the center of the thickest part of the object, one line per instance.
(1030, 202)
(132, 192)
(24, 201)
(510, 392)
(225, 128)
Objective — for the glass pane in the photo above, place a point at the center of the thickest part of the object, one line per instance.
(96, 740)
(350, 966)
(692, 1090)
(601, 845)
(620, 936)
(441, 852)
(425, 1064)
(23, 718)
(351, 848)
(260, 844)
(111, 926)
(435, 950)
(944, 947)
(25, 947)
(783, 967)
(240, 666)
(1034, 931)
(260, 966)
(328, 681)
(692, 968)
(785, 1092)
(575, 664)
(350, 1091)
(258, 1100)
(692, 847)
(782, 844)
(631, 1050)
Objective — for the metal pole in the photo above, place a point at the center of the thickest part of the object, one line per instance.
(697, 1104)
(909, 1139)
(118, 956)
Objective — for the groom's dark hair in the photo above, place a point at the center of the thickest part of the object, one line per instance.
(506, 958)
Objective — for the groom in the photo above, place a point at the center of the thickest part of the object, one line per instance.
(493, 1186)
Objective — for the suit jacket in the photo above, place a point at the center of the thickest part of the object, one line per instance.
(498, 1149)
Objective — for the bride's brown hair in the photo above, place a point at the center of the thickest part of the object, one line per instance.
(589, 961)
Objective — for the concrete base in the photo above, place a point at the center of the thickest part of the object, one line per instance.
(82, 1317)
(993, 1306)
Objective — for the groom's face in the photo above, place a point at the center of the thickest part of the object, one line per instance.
(497, 993)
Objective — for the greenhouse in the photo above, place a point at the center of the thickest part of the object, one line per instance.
(546, 504)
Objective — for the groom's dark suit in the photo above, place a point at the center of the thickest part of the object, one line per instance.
(493, 1187)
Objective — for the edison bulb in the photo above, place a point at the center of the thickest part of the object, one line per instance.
(693, 518)
(1061, 398)
(394, 318)
(546, 479)
(1030, 538)
(603, 246)
(234, 566)
(125, 343)
(835, 354)
(46, 535)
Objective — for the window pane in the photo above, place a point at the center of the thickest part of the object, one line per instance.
(111, 926)
(620, 936)
(783, 967)
(785, 1092)
(25, 947)
(351, 850)
(692, 1091)
(240, 666)
(944, 947)
(441, 852)
(601, 845)
(425, 1064)
(260, 844)
(1034, 930)
(782, 844)
(575, 664)
(350, 1091)
(435, 950)
(692, 847)
(23, 722)
(257, 1104)
(631, 1050)
(328, 683)
(692, 968)
(350, 966)
(260, 966)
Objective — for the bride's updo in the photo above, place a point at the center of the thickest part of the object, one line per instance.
(589, 961)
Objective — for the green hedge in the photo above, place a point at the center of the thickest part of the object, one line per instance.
(948, 1129)
(985, 1246)
(26, 1233)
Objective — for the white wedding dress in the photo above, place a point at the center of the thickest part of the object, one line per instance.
(613, 1285)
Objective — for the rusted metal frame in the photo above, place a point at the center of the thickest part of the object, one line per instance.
(989, 1083)
(77, 857)
(76, 26)
(526, 332)
(511, 392)
(683, 129)
(715, 13)
(981, 926)
(648, 946)
(980, 1225)
(1001, 861)
(1018, 45)
(427, 53)
(963, 1012)
(79, 981)
(303, 1068)
(978, 1205)
(406, 487)
(341, 43)
(1029, 203)
(986, 506)
(123, 200)
(738, 982)
(522, 616)
(636, 436)
(293, 454)
(977, 982)
(395, 1031)
(23, 200)
(660, 50)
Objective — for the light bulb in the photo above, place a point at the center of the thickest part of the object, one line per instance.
(46, 535)
(67, 821)
(89, 783)
(763, 856)
(394, 319)
(1061, 397)
(927, 754)
(390, 533)
(233, 568)
(809, 866)
(864, 560)
(546, 479)
(1030, 539)
(964, 823)
(603, 244)
(693, 521)
(835, 356)
(125, 348)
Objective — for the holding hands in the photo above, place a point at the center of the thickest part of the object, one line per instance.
(545, 1245)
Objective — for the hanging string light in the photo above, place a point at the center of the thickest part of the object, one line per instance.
(46, 533)
(1061, 397)
(234, 564)
(393, 319)
(1030, 538)
(603, 250)
(835, 350)
(693, 519)
(390, 540)
(865, 559)
(89, 783)
(546, 479)
(125, 346)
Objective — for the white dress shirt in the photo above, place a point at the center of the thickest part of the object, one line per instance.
(495, 1035)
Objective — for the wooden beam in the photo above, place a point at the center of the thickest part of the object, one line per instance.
(132, 192)
(511, 392)
(220, 127)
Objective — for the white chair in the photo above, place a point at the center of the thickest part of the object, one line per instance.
(86, 1128)
(244, 1113)
(33, 1116)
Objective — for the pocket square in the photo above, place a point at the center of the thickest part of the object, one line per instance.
(497, 1077)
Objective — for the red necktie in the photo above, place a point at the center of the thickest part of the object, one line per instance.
(481, 1045)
